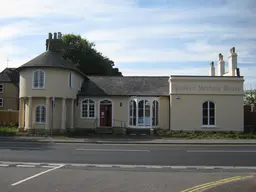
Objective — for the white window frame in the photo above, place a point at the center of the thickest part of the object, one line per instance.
(2, 99)
(137, 100)
(208, 112)
(40, 121)
(33, 79)
(88, 109)
(2, 89)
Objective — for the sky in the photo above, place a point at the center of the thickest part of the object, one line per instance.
(142, 37)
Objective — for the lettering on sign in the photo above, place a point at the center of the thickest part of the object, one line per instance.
(205, 88)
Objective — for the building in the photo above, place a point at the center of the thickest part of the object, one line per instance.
(56, 95)
(9, 89)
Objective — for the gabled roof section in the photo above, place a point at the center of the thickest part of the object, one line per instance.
(9, 75)
(126, 86)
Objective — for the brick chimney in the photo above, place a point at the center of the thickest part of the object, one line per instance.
(54, 44)
(221, 66)
(232, 62)
(212, 69)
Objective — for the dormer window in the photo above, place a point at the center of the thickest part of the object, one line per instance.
(38, 79)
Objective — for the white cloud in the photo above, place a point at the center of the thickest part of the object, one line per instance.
(126, 33)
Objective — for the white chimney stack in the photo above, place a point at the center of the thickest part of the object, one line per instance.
(212, 69)
(232, 62)
(221, 65)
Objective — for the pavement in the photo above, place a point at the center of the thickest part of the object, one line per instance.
(66, 179)
(128, 140)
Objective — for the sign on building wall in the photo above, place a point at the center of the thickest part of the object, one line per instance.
(207, 88)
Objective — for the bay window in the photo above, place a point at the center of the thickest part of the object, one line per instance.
(143, 112)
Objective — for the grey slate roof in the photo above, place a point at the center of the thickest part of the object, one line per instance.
(125, 86)
(50, 59)
(9, 75)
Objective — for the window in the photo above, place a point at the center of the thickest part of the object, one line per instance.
(39, 79)
(1, 88)
(1, 102)
(208, 113)
(40, 114)
(88, 108)
(155, 113)
(70, 80)
(144, 112)
(133, 113)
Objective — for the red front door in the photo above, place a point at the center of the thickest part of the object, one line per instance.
(105, 115)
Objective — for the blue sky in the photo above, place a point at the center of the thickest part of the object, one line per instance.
(142, 37)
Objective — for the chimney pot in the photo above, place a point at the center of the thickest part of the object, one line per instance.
(55, 35)
(220, 57)
(232, 50)
(59, 35)
(212, 69)
(49, 35)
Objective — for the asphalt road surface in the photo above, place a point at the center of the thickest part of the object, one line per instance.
(176, 155)
(65, 179)
(30, 166)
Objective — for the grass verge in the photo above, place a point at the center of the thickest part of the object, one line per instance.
(204, 135)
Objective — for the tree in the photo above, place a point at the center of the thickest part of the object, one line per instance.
(87, 59)
(250, 97)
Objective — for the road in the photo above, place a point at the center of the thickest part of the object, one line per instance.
(51, 167)
(165, 155)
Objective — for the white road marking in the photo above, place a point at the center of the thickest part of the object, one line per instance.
(4, 165)
(114, 150)
(220, 151)
(48, 166)
(36, 175)
(25, 165)
(162, 166)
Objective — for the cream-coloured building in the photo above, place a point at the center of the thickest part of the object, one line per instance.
(54, 94)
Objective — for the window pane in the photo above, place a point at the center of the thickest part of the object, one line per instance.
(141, 113)
(42, 114)
(212, 121)
(36, 79)
(212, 113)
(211, 105)
(147, 113)
(41, 80)
(205, 120)
(84, 110)
(131, 121)
(91, 110)
(157, 108)
(131, 108)
(134, 113)
(38, 114)
(205, 105)
(154, 113)
(205, 112)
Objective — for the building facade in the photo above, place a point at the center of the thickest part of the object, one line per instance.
(56, 95)
(9, 89)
